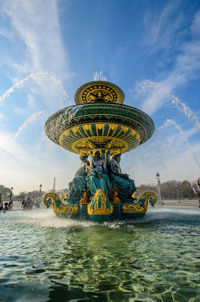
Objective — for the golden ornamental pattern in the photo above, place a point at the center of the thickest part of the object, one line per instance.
(94, 91)
(98, 205)
(88, 138)
(133, 208)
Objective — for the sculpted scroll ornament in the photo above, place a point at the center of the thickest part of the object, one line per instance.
(58, 206)
(141, 205)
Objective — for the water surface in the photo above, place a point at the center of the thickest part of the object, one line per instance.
(44, 258)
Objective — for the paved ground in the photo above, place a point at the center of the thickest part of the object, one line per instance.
(184, 203)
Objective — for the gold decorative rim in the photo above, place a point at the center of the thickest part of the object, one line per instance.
(88, 145)
(95, 91)
(110, 137)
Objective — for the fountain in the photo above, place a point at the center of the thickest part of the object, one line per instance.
(100, 127)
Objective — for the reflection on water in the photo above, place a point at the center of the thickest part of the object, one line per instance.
(45, 258)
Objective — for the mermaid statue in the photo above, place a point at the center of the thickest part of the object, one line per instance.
(98, 178)
(79, 182)
(124, 185)
(109, 177)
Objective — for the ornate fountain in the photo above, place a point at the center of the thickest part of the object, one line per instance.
(100, 128)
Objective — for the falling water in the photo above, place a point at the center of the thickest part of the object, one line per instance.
(62, 120)
(33, 76)
(46, 218)
(149, 87)
(71, 112)
(172, 122)
(30, 119)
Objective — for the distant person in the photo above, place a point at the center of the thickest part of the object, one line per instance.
(37, 203)
(10, 204)
(23, 203)
(5, 208)
(1, 204)
(28, 203)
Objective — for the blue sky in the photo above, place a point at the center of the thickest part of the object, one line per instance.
(49, 48)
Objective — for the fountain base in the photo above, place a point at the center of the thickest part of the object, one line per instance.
(100, 209)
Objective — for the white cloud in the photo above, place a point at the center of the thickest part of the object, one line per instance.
(37, 23)
(42, 61)
(2, 117)
(44, 57)
(195, 27)
(6, 34)
(186, 64)
(158, 34)
(26, 169)
(169, 155)
(10, 147)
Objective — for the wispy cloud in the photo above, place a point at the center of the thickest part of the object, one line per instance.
(37, 23)
(9, 146)
(195, 27)
(187, 61)
(2, 117)
(186, 66)
(170, 155)
(158, 34)
(6, 34)
(40, 59)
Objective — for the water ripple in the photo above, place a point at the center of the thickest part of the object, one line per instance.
(44, 258)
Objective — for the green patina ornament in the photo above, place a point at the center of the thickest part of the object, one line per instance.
(101, 127)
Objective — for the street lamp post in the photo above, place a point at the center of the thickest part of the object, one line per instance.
(38, 202)
(40, 195)
(198, 182)
(10, 204)
(11, 193)
(158, 188)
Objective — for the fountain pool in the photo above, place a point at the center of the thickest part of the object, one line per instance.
(154, 258)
